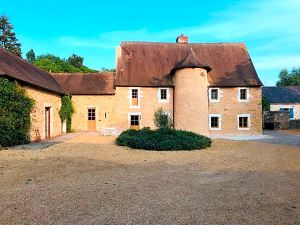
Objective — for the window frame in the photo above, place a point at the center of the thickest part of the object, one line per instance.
(90, 116)
(134, 114)
(248, 120)
(138, 97)
(247, 94)
(159, 95)
(219, 116)
(210, 93)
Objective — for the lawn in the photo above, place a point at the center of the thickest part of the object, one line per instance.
(90, 180)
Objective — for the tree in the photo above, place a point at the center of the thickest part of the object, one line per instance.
(265, 104)
(287, 78)
(162, 119)
(8, 38)
(30, 56)
(76, 60)
(55, 64)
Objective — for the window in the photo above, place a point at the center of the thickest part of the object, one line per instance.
(244, 122)
(135, 98)
(243, 95)
(91, 114)
(163, 94)
(134, 121)
(215, 122)
(134, 93)
(214, 94)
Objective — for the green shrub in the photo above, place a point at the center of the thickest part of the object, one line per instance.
(162, 139)
(15, 108)
(66, 111)
(162, 119)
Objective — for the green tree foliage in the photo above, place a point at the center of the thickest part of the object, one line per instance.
(15, 108)
(76, 60)
(162, 119)
(287, 78)
(163, 139)
(8, 39)
(55, 64)
(265, 104)
(30, 56)
(66, 111)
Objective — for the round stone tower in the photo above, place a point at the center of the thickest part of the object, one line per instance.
(191, 95)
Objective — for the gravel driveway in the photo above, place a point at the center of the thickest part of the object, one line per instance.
(89, 180)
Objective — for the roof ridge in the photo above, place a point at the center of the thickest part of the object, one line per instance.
(190, 43)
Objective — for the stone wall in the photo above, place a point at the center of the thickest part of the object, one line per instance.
(44, 99)
(229, 107)
(276, 120)
(112, 111)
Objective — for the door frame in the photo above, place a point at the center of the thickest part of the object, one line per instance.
(87, 117)
(47, 122)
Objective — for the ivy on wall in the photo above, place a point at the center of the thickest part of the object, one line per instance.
(66, 111)
(15, 109)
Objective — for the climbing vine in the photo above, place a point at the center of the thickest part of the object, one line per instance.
(66, 111)
(15, 109)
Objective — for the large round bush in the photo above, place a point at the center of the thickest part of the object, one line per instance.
(163, 139)
(15, 108)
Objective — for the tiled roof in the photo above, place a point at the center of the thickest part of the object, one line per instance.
(289, 94)
(87, 84)
(16, 68)
(150, 63)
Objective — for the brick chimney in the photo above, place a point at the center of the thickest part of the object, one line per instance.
(182, 39)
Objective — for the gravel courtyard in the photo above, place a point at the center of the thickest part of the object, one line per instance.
(90, 180)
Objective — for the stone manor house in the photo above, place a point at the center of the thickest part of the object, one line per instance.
(211, 89)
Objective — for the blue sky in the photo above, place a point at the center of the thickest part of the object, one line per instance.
(93, 29)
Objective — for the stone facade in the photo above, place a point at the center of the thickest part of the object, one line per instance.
(44, 99)
(113, 111)
(229, 107)
(192, 109)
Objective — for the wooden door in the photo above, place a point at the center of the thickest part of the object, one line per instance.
(47, 122)
(135, 122)
(91, 123)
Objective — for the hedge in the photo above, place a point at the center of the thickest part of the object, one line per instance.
(162, 139)
(15, 108)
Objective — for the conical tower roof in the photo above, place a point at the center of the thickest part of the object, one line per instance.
(190, 61)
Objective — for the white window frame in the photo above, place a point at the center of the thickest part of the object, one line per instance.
(130, 97)
(159, 95)
(220, 121)
(134, 114)
(249, 122)
(214, 100)
(247, 93)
